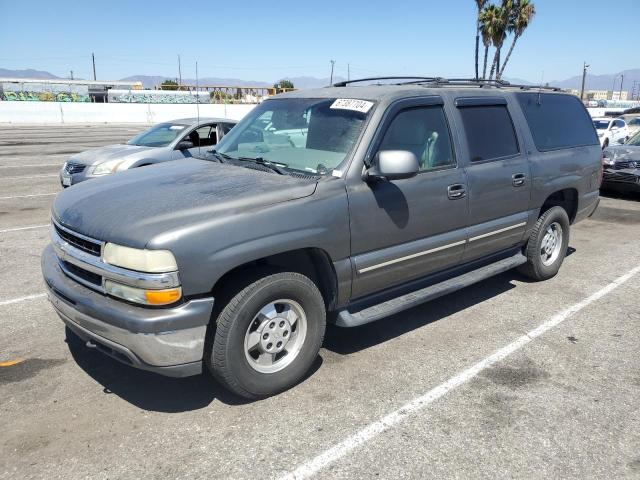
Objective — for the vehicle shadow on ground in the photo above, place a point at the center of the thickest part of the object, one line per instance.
(620, 195)
(151, 391)
(345, 341)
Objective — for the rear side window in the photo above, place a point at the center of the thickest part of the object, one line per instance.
(557, 121)
(490, 133)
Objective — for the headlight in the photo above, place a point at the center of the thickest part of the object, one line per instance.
(145, 297)
(149, 261)
(108, 167)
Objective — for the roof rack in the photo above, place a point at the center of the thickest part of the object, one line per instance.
(437, 81)
(371, 79)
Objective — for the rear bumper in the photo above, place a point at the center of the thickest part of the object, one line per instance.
(169, 341)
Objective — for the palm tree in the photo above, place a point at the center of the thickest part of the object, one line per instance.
(499, 33)
(488, 18)
(480, 4)
(521, 17)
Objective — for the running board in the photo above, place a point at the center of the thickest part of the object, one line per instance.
(412, 299)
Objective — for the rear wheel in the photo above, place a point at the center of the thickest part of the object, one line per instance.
(605, 144)
(268, 335)
(547, 245)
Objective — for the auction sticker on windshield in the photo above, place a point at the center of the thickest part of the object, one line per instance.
(352, 104)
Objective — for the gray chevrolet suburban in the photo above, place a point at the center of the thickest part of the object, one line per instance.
(348, 203)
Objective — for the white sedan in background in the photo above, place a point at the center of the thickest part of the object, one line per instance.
(611, 131)
(163, 142)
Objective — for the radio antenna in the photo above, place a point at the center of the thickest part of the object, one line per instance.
(540, 88)
(198, 105)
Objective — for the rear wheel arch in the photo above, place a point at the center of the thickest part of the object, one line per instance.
(566, 198)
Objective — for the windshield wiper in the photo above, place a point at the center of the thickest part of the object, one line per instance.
(221, 157)
(261, 161)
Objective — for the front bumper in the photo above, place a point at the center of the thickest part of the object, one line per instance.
(625, 180)
(169, 341)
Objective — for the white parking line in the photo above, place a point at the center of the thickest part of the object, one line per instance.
(17, 229)
(33, 165)
(22, 299)
(312, 466)
(17, 177)
(27, 196)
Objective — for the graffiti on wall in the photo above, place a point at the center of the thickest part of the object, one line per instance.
(156, 96)
(41, 92)
(28, 96)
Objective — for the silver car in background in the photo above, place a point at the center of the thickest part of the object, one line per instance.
(163, 142)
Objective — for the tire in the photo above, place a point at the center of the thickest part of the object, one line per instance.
(540, 264)
(281, 298)
(605, 144)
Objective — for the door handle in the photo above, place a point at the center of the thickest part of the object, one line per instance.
(456, 191)
(518, 179)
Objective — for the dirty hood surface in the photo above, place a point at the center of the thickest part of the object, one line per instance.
(102, 154)
(132, 207)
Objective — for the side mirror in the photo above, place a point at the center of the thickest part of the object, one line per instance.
(393, 165)
(185, 145)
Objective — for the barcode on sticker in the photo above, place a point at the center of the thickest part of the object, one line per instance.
(352, 104)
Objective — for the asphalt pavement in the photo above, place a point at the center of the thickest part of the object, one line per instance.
(426, 393)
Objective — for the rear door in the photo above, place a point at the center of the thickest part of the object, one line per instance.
(498, 175)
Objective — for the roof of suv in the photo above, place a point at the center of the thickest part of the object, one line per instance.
(390, 91)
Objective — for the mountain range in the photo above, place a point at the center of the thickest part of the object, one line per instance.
(593, 82)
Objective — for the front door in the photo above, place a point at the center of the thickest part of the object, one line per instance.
(498, 176)
(405, 229)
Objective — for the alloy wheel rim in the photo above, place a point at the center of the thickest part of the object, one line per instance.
(551, 245)
(275, 336)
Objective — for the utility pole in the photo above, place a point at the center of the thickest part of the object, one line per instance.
(179, 72)
(93, 60)
(71, 72)
(621, 81)
(584, 76)
(348, 72)
(333, 62)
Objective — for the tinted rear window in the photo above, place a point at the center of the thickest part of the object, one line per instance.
(490, 132)
(557, 121)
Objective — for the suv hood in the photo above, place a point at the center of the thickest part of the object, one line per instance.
(102, 154)
(134, 206)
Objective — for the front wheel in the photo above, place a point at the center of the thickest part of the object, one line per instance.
(268, 335)
(547, 245)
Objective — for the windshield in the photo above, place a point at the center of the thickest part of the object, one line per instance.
(635, 140)
(634, 121)
(601, 124)
(159, 135)
(311, 135)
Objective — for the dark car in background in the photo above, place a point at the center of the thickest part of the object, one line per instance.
(622, 166)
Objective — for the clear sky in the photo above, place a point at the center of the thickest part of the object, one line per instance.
(269, 40)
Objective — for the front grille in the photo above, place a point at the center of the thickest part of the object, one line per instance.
(90, 247)
(83, 274)
(73, 167)
(627, 164)
(621, 177)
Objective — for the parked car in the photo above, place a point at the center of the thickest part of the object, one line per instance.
(162, 142)
(633, 123)
(611, 131)
(622, 166)
(398, 195)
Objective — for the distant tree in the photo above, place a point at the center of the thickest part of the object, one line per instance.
(169, 85)
(520, 18)
(283, 85)
(480, 4)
